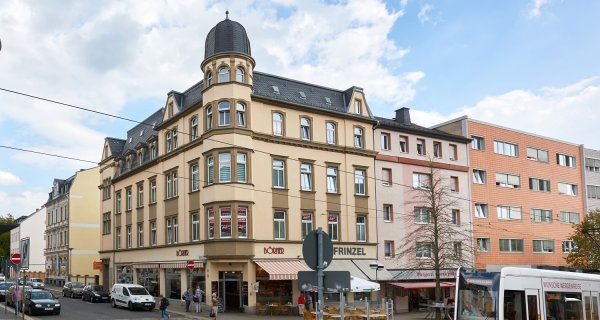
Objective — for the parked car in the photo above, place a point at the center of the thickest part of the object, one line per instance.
(9, 296)
(39, 301)
(2, 277)
(95, 293)
(132, 296)
(4, 286)
(73, 289)
(36, 283)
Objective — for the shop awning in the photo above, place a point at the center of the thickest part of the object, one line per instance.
(146, 266)
(282, 269)
(181, 265)
(361, 285)
(422, 285)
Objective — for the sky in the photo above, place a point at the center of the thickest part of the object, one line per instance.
(531, 65)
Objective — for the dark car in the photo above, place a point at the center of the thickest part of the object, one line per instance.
(4, 287)
(95, 293)
(73, 289)
(39, 301)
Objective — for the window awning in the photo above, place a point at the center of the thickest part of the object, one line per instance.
(181, 265)
(422, 285)
(282, 269)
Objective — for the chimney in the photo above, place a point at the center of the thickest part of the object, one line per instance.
(403, 115)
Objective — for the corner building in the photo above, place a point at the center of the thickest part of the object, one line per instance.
(231, 174)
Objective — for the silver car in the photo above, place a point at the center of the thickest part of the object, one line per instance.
(36, 283)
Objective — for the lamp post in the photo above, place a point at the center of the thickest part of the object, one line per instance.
(68, 276)
(377, 266)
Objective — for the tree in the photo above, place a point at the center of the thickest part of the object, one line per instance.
(5, 237)
(586, 241)
(434, 238)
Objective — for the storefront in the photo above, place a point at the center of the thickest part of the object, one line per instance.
(413, 289)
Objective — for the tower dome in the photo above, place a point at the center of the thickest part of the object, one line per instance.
(227, 36)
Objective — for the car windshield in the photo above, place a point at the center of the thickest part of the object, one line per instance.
(98, 288)
(38, 295)
(36, 280)
(136, 291)
(77, 285)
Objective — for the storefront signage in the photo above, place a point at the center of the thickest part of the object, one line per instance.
(425, 274)
(349, 251)
(97, 265)
(182, 253)
(273, 250)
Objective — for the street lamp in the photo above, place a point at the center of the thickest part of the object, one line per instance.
(377, 266)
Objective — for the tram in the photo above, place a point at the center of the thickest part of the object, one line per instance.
(526, 294)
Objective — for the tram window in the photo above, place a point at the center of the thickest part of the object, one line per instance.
(514, 305)
(563, 306)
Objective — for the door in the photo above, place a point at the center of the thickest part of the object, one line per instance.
(590, 301)
(532, 301)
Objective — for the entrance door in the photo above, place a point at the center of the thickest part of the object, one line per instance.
(231, 293)
(533, 304)
(590, 300)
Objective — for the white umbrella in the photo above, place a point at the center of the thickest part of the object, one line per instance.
(361, 285)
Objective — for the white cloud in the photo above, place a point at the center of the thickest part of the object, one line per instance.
(7, 178)
(567, 113)
(536, 8)
(23, 203)
(423, 14)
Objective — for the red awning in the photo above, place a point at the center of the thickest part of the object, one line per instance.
(282, 269)
(422, 285)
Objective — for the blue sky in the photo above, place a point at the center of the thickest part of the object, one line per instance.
(530, 65)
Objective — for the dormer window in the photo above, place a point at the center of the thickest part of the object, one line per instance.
(240, 114)
(239, 75)
(357, 107)
(276, 89)
(327, 101)
(223, 74)
(128, 163)
(209, 79)
(302, 95)
(153, 152)
(140, 157)
(170, 109)
(141, 133)
(130, 139)
(224, 113)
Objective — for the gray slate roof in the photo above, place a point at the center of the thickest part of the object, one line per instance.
(227, 36)
(115, 145)
(419, 130)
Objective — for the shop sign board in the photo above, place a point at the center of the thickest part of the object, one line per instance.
(425, 274)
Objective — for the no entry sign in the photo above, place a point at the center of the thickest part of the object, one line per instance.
(190, 265)
(15, 258)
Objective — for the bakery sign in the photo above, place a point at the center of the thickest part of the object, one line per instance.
(349, 251)
(273, 250)
(424, 274)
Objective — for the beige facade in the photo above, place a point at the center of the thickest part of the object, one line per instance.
(237, 189)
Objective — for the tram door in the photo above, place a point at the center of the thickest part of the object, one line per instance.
(533, 304)
(590, 300)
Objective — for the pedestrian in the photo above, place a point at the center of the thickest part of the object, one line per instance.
(164, 303)
(308, 302)
(198, 299)
(215, 306)
(301, 303)
(187, 296)
(17, 298)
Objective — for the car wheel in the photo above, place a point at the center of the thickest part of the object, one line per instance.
(130, 306)
(112, 303)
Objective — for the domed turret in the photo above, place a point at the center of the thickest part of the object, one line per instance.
(227, 36)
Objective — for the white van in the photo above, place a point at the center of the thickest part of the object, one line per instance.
(132, 296)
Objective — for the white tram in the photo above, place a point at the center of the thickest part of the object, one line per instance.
(526, 294)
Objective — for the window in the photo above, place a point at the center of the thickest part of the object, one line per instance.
(358, 138)
(386, 178)
(194, 126)
(118, 238)
(508, 212)
(507, 180)
(388, 248)
(424, 250)
(279, 225)
(209, 79)
(128, 195)
(457, 249)
(537, 154)
(306, 177)
(388, 212)
(224, 116)
(422, 216)
(333, 227)
(454, 184)
(242, 222)
(506, 148)
(168, 139)
(331, 180)
(209, 117)
(545, 246)
(541, 215)
(565, 160)
(140, 195)
(128, 241)
(195, 227)
(403, 144)
(195, 177)
(240, 114)
(511, 245)
(307, 223)
(174, 138)
(567, 189)
(239, 75)
(223, 74)
(361, 228)
(140, 235)
(357, 107)
(172, 184)
(240, 167)
(477, 143)
(211, 223)
(225, 216)
(568, 246)
(175, 230)
(331, 134)
(152, 233)
(455, 216)
(140, 158)
(170, 109)
(437, 149)
(210, 169)
(169, 231)
(539, 185)
(359, 182)
(593, 192)
(278, 124)
(481, 210)
(305, 128)
(479, 176)
(569, 217)
(153, 151)
(278, 174)
(106, 223)
(385, 141)
(592, 165)
(421, 180)
(225, 167)
(421, 147)
(483, 244)
(128, 162)
(153, 191)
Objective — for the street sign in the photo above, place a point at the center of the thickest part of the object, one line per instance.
(15, 258)
(333, 281)
(310, 250)
(190, 265)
